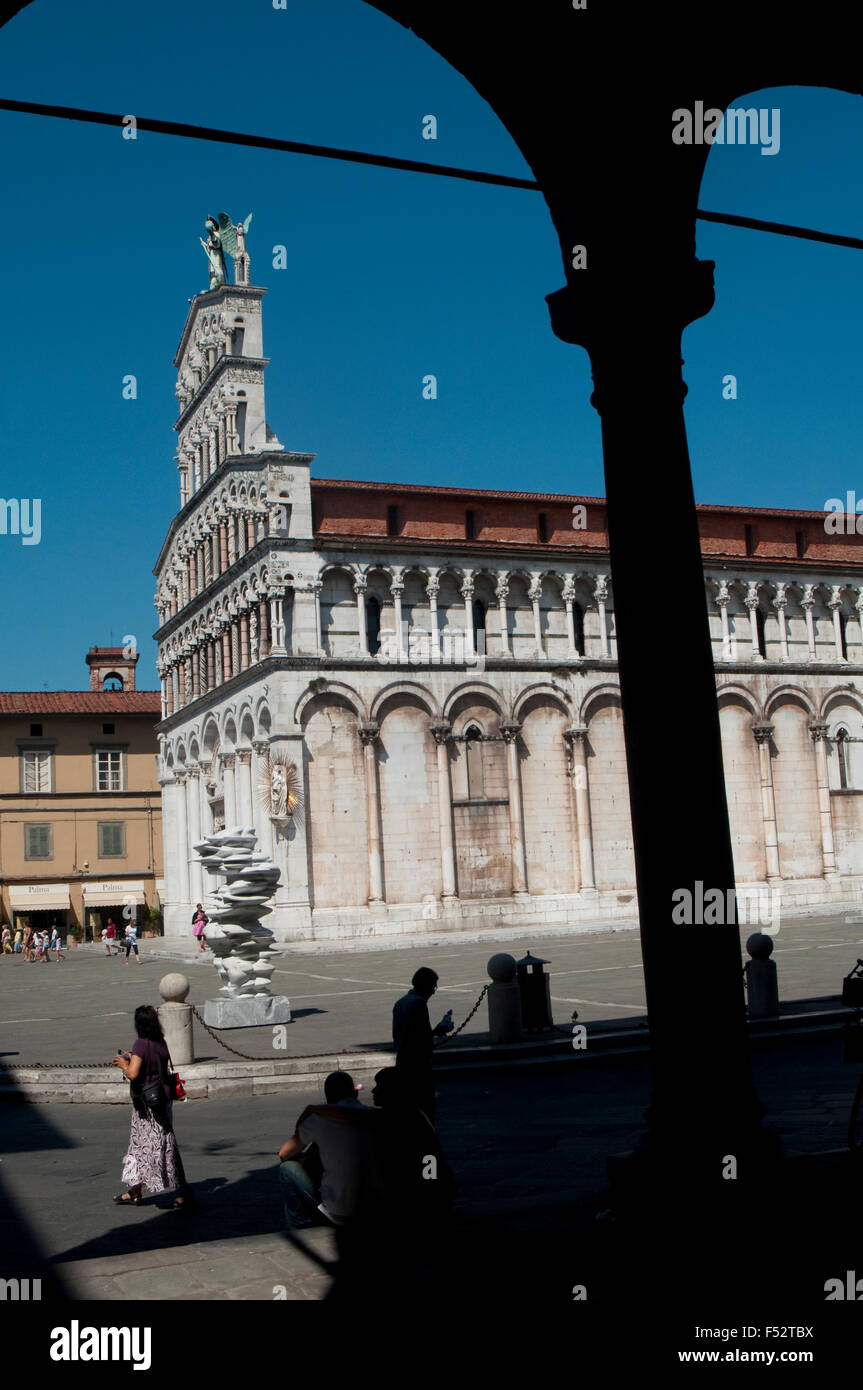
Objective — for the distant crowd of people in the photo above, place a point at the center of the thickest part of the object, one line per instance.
(35, 943)
(32, 944)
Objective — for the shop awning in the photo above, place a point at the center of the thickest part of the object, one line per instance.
(108, 893)
(38, 897)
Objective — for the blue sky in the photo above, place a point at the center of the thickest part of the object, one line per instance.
(390, 276)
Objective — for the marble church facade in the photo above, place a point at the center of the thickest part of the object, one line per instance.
(440, 666)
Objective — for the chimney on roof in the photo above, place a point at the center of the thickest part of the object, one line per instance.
(112, 668)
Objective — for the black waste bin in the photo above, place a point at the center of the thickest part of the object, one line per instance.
(534, 987)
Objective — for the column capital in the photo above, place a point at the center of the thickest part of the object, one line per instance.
(780, 601)
(576, 733)
(368, 731)
(261, 746)
(818, 730)
(432, 585)
(835, 600)
(568, 591)
(600, 588)
(244, 755)
(360, 583)
(227, 760)
(762, 732)
(534, 591)
(441, 730)
(751, 600)
(509, 730)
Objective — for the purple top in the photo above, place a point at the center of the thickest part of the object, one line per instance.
(154, 1065)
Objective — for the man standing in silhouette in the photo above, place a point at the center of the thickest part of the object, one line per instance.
(413, 1038)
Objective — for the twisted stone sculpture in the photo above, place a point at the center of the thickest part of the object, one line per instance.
(235, 933)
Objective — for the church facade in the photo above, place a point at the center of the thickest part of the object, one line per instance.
(433, 672)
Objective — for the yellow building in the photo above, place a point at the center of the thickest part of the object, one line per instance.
(80, 802)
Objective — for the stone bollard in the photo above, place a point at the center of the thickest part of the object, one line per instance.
(175, 1016)
(504, 1000)
(762, 981)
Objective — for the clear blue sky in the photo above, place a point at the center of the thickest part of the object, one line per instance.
(390, 275)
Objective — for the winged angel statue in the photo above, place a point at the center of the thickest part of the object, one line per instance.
(223, 236)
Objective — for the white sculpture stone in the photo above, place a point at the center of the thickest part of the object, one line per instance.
(235, 933)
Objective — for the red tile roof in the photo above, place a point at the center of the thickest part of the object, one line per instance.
(81, 702)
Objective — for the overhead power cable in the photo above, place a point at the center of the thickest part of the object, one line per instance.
(414, 166)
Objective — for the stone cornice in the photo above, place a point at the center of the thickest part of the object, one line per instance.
(206, 300)
(220, 366)
(255, 463)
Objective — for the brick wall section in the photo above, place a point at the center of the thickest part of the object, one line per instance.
(743, 790)
(796, 790)
(549, 832)
(437, 515)
(407, 777)
(609, 800)
(336, 807)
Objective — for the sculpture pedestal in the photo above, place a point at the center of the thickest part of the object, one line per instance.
(249, 1011)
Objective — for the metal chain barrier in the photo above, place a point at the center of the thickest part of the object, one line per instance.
(456, 1031)
(247, 1056)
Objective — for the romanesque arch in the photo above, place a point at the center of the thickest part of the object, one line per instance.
(335, 800)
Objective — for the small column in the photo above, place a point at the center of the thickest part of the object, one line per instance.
(600, 593)
(818, 733)
(264, 621)
(835, 602)
(211, 663)
(193, 814)
(368, 731)
(510, 731)
(245, 814)
(501, 590)
(243, 625)
(467, 596)
(224, 563)
(277, 622)
(807, 603)
(217, 655)
(534, 593)
(360, 591)
(260, 811)
(235, 644)
(250, 530)
(254, 641)
(751, 602)
(572, 653)
(859, 607)
(397, 585)
(723, 598)
(228, 761)
(163, 692)
(182, 840)
(432, 588)
(576, 739)
(227, 666)
(779, 603)
(316, 585)
(441, 732)
(762, 734)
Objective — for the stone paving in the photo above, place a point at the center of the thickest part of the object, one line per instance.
(80, 1010)
(528, 1151)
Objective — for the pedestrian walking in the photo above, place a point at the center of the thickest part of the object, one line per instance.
(55, 942)
(153, 1157)
(16, 944)
(109, 936)
(131, 937)
(7, 941)
(413, 1037)
(25, 942)
(199, 922)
